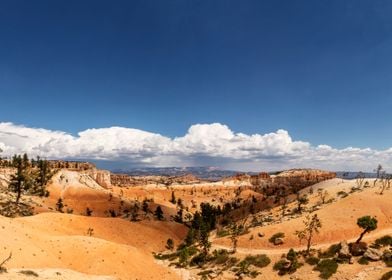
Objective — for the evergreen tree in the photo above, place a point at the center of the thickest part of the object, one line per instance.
(368, 224)
(173, 198)
(21, 181)
(204, 241)
(89, 212)
(159, 213)
(170, 244)
(145, 206)
(60, 205)
(190, 237)
(179, 217)
(43, 177)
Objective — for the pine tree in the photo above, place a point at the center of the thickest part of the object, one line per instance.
(60, 205)
(159, 213)
(173, 198)
(204, 241)
(43, 177)
(145, 206)
(368, 224)
(21, 181)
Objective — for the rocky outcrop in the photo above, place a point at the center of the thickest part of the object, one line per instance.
(373, 254)
(344, 251)
(299, 178)
(278, 241)
(102, 177)
(123, 180)
(259, 178)
(71, 165)
(294, 178)
(5, 176)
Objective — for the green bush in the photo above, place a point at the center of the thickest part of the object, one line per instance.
(205, 272)
(312, 260)
(343, 194)
(231, 262)
(279, 265)
(170, 256)
(282, 267)
(29, 273)
(331, 251)
(363, 261)
(170, 244)
(258, 260)
(220, 256)
(327, 268)
(387, 276)
(276, 236)
(387, 258)
(242, 269)
(198, 260)
(384, 241)
(222, 233)
(184, 254)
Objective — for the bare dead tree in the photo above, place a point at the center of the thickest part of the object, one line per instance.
(360, 178)
(312, 226)
(385, 182)
(4, 262)
(323, 194)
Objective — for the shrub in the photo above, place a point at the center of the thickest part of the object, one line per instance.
(280, 266)
(258, 260)
(170, 244)
(183, 257)
(276, 236)
(342, 194)
(220, 256)
(387, 258)
(231, 262)
(327, 268)
(288, 266)
(387, 276)
(205, 272)
(312, 260)
(384, 241)
(331, 251)
(363, 261)
(198, 260)
(171, 256)
(243, 269)
(29, 273)
(222, 233)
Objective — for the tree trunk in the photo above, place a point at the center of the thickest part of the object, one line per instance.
(361, 236)
(18, 196)
(309, 243)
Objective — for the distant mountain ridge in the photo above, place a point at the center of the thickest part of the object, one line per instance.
(214, 173)
(354, 174)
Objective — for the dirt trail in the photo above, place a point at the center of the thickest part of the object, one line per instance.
(284, 250)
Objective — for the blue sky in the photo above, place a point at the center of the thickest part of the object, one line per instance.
(321, 70)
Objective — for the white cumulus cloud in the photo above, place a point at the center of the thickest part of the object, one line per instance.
(203, 144)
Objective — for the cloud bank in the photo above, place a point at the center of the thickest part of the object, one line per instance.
(203, 145)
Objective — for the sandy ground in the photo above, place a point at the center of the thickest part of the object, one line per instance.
(49, 274)
(117, 248)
